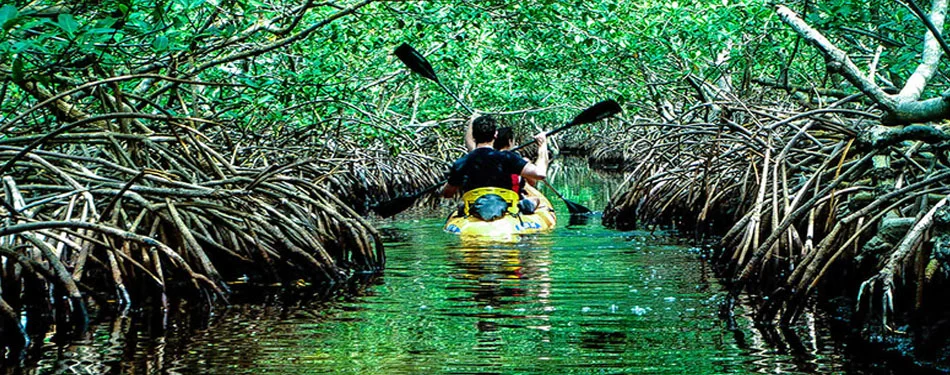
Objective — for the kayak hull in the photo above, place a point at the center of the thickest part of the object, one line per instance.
(507, 226)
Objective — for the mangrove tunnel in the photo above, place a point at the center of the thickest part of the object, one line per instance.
(193, 186)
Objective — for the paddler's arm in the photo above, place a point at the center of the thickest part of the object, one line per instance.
(531, 181)
(469, 138)
(539, 169)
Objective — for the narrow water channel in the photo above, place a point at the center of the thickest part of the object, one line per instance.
(581, 299)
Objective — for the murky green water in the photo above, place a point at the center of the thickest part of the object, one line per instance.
(579, 300)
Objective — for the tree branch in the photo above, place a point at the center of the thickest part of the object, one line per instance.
(905, 107)
(282, 42)
(893, 136)
(915, 84)
(836, 58)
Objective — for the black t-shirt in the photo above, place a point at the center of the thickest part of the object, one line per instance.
(486, 167)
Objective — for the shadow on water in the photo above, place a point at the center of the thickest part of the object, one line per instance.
(581, 299)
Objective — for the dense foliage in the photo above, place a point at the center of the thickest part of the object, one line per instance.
(200, 102)
(288, 68)
(285, 70)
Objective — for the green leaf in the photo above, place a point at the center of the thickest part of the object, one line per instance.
(105, 23)
(67, 23)
(22, 46)
(160, 43)
(8, 13)
(100, 30)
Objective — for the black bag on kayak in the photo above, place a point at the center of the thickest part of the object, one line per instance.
(489, 207)
(526, 206)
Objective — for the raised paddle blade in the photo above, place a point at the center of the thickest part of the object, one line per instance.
(415, 61)
(597, 112)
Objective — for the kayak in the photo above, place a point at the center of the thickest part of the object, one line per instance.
(510, 224)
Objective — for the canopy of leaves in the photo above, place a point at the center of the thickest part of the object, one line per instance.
(340, 78)
(294, 66)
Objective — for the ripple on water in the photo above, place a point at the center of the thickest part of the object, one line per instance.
(578, 300)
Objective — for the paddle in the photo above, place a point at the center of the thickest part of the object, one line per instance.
(573, 208)
(418, 63)
(593, 113)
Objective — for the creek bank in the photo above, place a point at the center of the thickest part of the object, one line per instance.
(802, 216)
(93, 226)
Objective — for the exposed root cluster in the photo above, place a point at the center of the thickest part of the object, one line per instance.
(803, 194)
(94, 212)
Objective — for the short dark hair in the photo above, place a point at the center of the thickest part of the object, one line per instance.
(483, 129)
(504, 137)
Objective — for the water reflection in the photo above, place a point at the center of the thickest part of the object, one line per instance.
(581, 300)
(581, 221)
(501, 282)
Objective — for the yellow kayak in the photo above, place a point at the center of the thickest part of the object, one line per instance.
(509, 225)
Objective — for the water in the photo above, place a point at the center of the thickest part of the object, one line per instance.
(582, 299)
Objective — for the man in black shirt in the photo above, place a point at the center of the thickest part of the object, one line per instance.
(485, 166)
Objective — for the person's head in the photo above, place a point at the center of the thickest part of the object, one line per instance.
(505, 138)
(483, 129)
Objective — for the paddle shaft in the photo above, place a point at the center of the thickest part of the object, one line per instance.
(593, 113)
(548, 134)
(471, 111)
(459, 101)
(553, 189)
(431, 188)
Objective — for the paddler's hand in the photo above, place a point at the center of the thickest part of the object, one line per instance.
(542, 139)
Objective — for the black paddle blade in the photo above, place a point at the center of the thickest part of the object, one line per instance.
(394, 206)
(578, 220)
(597, 112)
(576, 209)
(415, 61)
(573, 208)
(402, 202)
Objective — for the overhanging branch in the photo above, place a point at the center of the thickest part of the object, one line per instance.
(903, 108)
(837, 59)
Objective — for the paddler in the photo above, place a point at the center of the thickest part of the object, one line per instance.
(484, 166)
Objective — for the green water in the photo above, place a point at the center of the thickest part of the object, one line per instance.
(579, 300)
(582, 300)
